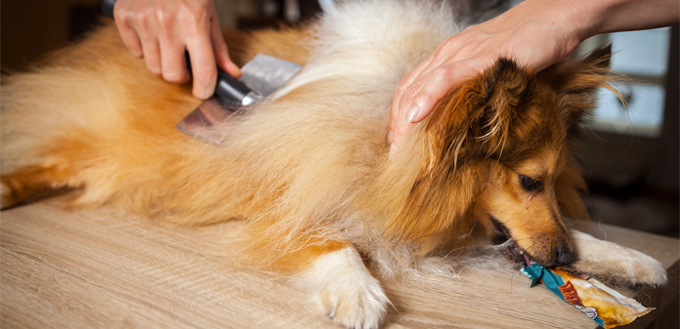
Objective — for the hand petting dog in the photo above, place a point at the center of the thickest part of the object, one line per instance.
(534, 34)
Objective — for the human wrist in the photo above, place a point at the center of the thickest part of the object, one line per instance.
(600, 16)
(576, 20)
(565, 22)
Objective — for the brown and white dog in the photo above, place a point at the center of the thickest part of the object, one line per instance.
(310, 169)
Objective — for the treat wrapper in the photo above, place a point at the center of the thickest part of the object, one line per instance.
(604, 305)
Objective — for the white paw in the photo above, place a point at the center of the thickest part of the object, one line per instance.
(612, 262)
(349, 294)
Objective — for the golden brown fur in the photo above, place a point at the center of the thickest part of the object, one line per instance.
(114, 139)
(310, 170)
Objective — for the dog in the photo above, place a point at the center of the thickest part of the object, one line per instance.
(309, 169)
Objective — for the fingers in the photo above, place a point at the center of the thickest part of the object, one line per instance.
(418, 93)
(160, 30)
(399, 126)
(456, 59)
(221, 51)
(139, 32)
(431, 87)
(151, 51)
(207, 48)
(124, 22)
(203, 65)
(416, 100)
(422, 88)
(173, 62)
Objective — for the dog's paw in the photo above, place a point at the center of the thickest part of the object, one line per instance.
(349, 294)
(611, 262)
(354, 304)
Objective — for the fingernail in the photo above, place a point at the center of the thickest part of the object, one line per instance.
(390, 137)
(412, 114)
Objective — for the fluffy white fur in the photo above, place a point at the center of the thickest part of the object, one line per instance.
(358, 56)
(348, 293)
(612, 262)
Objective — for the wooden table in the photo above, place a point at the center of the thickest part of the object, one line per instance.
(107, 269)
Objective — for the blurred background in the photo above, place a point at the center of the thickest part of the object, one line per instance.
(631, 157)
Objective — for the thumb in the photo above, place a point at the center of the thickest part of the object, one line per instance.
(222, 52)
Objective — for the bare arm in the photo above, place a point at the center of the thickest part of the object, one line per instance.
(160, 31)
(535, 33)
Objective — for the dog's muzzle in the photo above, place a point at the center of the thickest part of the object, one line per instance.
(504, 240)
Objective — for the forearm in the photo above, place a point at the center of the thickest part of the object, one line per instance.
(626, 15)
(591, 17)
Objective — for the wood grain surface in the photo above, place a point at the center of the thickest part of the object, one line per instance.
(106, 269)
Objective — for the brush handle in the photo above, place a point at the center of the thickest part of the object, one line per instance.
(227, 88)
(107, 8)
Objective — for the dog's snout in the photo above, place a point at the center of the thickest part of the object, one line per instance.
(565, 257)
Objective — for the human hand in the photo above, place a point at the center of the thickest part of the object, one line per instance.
(160, 30)
(527, 34)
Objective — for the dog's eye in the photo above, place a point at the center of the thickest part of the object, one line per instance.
(529, 183)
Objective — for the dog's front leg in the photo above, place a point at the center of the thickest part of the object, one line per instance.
(347, 291)
(614, 263)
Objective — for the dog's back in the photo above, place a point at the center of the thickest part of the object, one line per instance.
(93, 117)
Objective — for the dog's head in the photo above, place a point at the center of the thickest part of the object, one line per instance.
(498, 150)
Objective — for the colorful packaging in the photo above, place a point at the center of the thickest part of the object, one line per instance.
(602, 304)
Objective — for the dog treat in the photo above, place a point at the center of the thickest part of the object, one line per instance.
(602, 304)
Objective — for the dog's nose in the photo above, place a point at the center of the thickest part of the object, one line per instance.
(565, 257)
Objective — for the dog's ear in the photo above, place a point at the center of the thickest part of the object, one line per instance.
(480, 110)
(576, 83)
(470, 122)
